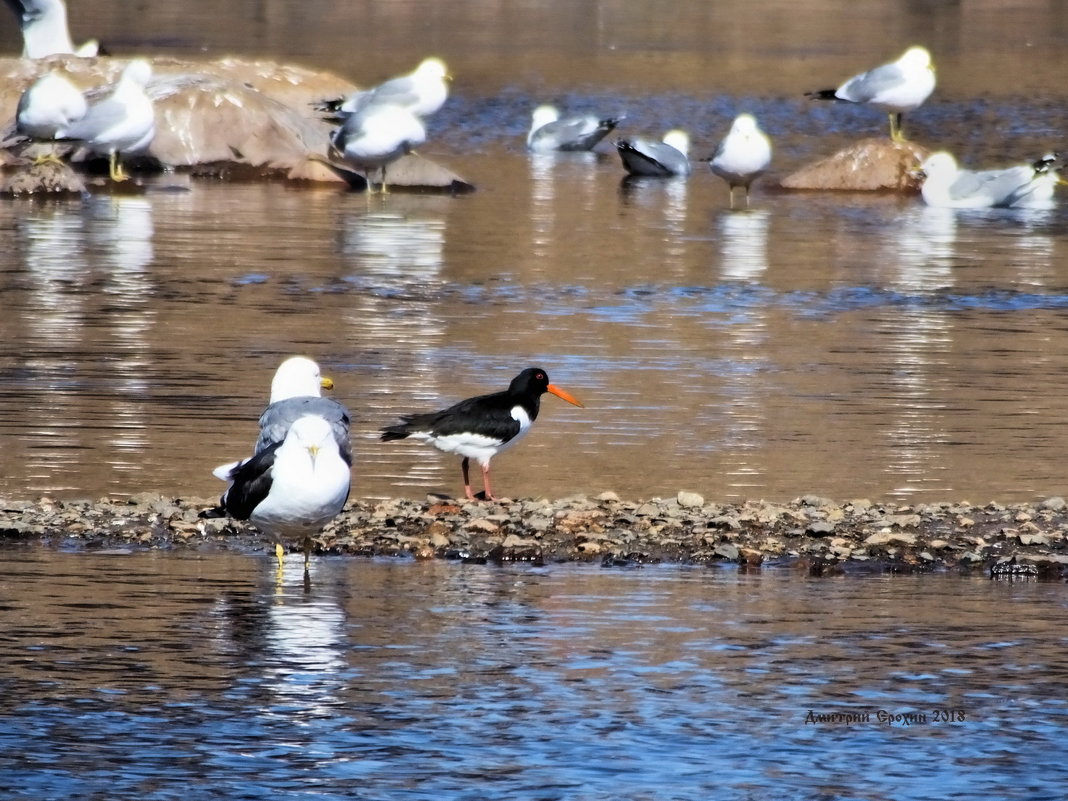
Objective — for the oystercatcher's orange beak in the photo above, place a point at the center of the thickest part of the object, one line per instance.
(564, 394)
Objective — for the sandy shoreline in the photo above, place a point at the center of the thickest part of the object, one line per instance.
(811, 533)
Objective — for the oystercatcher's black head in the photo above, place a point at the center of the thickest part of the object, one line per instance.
(533, 382)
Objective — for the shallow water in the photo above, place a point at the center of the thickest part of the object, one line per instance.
(156, 676)
(839, 344)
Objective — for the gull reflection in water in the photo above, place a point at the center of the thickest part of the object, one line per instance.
(119, 234)
(743, 257)
(743, 244)
(393, 263)
(88, 293)
(559, 182)
(917, 338)
(665, 198)
(304, 646)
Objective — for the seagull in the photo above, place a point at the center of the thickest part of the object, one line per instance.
(120, 123)
(50, 104)
(481, 427)
(376, 136)
(549, 132)
(296, 392)
(294, 487)
(896, 88)
(1024, 186)
(422, 92)
(44, 29)
(742, 156)
(664, 158)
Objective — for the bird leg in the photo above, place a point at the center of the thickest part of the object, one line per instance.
(465, 466)
(895, 127)
(730, 189)
(307, 552)
(115, 169)
(487, 492)
(385, 189)
(280, 552)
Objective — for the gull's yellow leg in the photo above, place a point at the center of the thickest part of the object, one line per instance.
(115, 168)
(307, 552)
(280, 552)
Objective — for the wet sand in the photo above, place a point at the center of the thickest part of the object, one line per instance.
(810, 533)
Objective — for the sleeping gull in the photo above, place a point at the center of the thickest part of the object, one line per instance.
(549, 132)
(44, 29)
(293, 488)
(945, 185)
(422, 92)
(120, 123)
(667, 157)
(742, 156)
(376, 136)
(50, 104)
(896, 88)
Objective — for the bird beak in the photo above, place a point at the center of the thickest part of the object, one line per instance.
(560, 393)
(326, 382)
(313, 451)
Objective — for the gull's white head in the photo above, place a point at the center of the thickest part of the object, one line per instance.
(298, 377)
(313, 434)
(939, 165)
(543, 115)
(915, 58)
(138, 72)
(432, 69)
(744, 124)
(678, 139)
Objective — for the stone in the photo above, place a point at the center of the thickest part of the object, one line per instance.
(879, 165)
(1054, 504)
(690, 500)
(887, 537)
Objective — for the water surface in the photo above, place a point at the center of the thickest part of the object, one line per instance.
(840, 344)
(160, 676)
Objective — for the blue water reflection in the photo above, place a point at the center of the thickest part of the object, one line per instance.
(208, 678)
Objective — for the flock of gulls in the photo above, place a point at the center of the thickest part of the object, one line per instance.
(299, 475)
(377, 126)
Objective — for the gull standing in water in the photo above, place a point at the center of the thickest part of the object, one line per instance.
(292, 488)
(49, 105)
(44, 29)
(481, 427)
(742, 156)
(549, 132)
(376, 136)
(121, 123)
(295, 396)
(662, 159)
(896, 88)
(945, 185)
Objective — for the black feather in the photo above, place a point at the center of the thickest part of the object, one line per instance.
(251, 483)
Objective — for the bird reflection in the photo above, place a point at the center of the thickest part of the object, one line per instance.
(574, 173)
(743, 238)
(389, 256)
(668, 199)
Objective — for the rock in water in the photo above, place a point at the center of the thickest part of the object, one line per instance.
(871, 165)
(46, 178)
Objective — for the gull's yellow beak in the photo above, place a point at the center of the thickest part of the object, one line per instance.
(326, 382)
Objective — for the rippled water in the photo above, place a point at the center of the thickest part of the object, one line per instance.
(840, 344)
(148, 676)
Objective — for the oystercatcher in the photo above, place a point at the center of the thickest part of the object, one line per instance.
(481, 427)
(896, 88)
(294, 487)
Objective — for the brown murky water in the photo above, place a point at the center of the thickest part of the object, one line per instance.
(838, 344)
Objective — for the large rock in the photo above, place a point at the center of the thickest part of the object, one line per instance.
(228, 118)
(869, 165)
